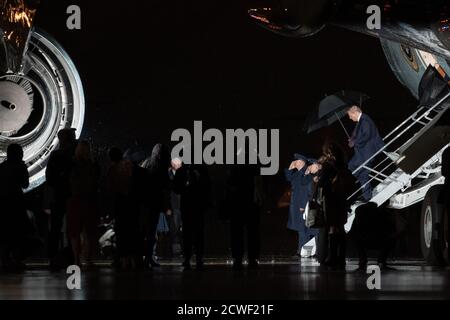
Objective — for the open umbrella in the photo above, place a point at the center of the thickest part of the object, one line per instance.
(333, 108)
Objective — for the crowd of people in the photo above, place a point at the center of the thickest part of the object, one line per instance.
(144, 195)
(147, 194)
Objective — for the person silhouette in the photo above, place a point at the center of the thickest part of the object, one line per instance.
(243, 197)
(193, 184)
(157, 199)
(14, 178)
(123, 185)
(333, 187)
(57, 176)
(82, 203)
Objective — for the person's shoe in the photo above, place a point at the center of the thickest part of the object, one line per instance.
(154, 264)
(307, 252)
(147, 264)
(392, 155)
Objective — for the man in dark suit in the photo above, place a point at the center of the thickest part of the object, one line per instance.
(366, 141)
(243, 198)
(193, 184)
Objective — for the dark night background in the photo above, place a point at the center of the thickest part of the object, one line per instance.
(149, 67)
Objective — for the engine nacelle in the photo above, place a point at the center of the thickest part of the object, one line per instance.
(40, 88)
(409, 63)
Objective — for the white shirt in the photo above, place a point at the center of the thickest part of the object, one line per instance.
(360, 115)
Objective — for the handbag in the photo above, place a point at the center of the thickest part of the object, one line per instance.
(315, 215)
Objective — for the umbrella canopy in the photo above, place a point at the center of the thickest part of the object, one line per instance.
(333, 108)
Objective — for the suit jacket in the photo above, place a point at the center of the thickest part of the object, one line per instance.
(193, 184)
(367, 141)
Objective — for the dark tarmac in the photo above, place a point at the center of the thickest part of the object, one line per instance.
(280, 280)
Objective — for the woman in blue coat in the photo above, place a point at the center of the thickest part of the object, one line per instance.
(301, 192)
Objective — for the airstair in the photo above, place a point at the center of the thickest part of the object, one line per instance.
(419, 129)
(410, 162)
(405, 174)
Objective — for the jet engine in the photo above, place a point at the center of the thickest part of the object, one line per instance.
(40, 88)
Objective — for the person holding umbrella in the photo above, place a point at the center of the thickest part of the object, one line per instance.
(366, 141)
(332, 109)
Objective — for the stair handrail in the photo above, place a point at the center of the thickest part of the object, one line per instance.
(400, 134)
